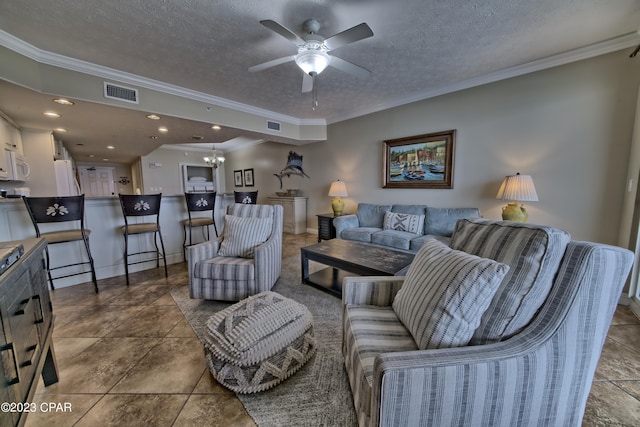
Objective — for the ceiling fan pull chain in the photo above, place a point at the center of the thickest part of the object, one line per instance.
(314, 102)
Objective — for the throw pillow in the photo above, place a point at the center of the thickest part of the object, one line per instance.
(242, 234)
(534, 253)
(403, 222)
(445, 294)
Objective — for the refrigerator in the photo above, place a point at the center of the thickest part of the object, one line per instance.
(66, 181)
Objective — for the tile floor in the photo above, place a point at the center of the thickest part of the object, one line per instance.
(127, 357)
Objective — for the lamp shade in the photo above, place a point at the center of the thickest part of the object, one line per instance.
(518, 188)
(338, 189)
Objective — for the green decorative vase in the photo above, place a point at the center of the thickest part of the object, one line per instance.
(338, 206)
(515, 211)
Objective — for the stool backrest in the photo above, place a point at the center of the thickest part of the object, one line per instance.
(44, 210)
(140, 205)
(197, 202)
(246, 197)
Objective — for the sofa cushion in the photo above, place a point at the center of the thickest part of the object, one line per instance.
(532, 251)
(369, 331)
(360, 234)
(417, 243)
(403, 222)
(234, 269)
(371, 215)
(409, 209)
(393, 239)
(242, 234)
(445, 294)
(442, 221)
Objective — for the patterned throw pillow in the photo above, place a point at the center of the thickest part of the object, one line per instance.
(403, 222)
(242, 235)
(445, 294)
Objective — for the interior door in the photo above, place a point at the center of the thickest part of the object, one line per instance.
(96, 181)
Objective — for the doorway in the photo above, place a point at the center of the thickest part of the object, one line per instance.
(96, 181)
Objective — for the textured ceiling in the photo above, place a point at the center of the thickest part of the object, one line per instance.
(419, 46)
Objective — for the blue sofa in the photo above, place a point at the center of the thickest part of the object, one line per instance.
(371, 224)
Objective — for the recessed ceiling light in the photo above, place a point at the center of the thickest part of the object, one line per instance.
(106, 160)
(60, 129)
(163, 129)
(153, 117)
(51, 114)
(216, 127)
(153, 137)
(197, 137)
(110, 147)
(91, 155)
(63, 101)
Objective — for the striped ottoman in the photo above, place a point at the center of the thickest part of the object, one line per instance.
(259, 342)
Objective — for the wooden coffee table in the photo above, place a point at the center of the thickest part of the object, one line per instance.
(344, 257)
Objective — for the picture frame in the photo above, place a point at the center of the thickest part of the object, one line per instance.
(237, 178)
(248, 177)
(421, 161)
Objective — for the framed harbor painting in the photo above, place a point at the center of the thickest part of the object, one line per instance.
(422, 161)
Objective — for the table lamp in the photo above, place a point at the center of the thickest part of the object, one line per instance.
(518, 188)
(337, 191)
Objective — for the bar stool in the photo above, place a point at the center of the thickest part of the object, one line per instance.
(198, 202)
(142, 205)
(48, 210)
(246, 197)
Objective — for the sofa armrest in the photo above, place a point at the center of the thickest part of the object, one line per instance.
(344, 222)
(371, 290)
(200, 251)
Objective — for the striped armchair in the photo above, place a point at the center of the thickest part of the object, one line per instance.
(232, 278)
(540, 375)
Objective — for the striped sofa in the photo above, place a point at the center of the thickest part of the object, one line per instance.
(538, 373)
(232, 278)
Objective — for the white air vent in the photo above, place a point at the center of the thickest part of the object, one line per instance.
(271, 125)
(120, 93)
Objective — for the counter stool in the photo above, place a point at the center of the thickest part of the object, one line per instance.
(246, 197)
(142, 205)
(198, 202)
(48, 210)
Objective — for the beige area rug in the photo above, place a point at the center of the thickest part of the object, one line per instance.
(318, 394)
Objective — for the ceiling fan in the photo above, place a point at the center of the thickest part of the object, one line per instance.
(313, 51)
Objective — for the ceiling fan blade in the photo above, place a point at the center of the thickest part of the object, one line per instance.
(283, 31)
(271, 63)
(307, 83)
(349, 67)
(351, 35)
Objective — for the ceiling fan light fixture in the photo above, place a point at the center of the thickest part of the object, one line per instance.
(312, 61)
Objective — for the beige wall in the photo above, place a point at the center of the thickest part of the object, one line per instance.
(167, 177)
(569, 127)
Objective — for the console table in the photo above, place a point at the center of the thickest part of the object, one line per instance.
(294, 219)
(26, 317)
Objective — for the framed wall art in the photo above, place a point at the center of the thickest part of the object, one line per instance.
(422, 161)
(237, 178)
(248, 177)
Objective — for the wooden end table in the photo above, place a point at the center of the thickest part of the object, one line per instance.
(326, 230)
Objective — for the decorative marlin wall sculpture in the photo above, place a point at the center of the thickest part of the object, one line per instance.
(294, 167)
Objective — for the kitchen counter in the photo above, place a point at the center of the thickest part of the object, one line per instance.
(103, 216)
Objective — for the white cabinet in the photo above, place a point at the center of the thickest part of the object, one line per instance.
(295, 213)
(10, 138)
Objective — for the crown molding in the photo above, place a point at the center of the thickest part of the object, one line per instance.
(44, 57)
(596, 49)
(17, 45)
